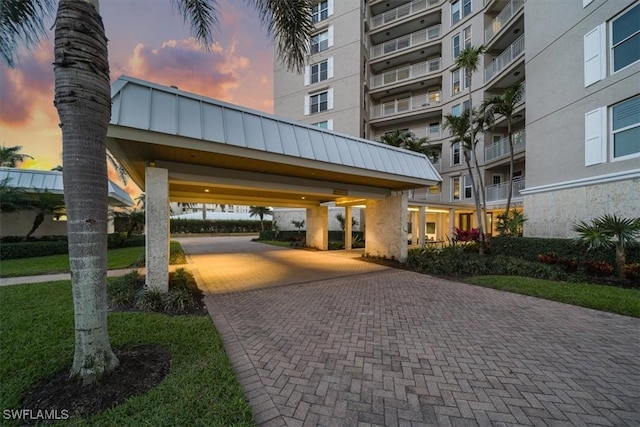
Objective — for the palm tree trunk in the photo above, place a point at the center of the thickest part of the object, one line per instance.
(621, 258)
(83, 101)
(36, 223)
(477, 202)
(483, 202)
(511, 166)
(204, 211)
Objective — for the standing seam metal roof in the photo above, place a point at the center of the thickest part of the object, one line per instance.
(149, 106)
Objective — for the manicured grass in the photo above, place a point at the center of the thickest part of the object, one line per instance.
(52, 264)
(599, 297)
(275, 243)
(36, 341)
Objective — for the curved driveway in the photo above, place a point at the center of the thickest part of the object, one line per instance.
(322, 339)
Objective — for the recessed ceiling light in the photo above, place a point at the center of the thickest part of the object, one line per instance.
(206, 190)
(303, 197)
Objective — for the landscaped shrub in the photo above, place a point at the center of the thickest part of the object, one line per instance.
(570, 264)
(151, 300)
(598, 268)
(180, 301)
(510, 266)
(121, 291)
(548, 258)
(32, 249)
(120, 240)
(47, 238)
(632, 272)
(222, 226)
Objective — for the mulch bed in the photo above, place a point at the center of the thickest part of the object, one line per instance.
(141, 368)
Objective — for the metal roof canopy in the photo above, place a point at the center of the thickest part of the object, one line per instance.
(218, 152)
(35, 181)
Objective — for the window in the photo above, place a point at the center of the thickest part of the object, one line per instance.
(318, 72)
(624, 36)
(465, 221)
(460, 9)
(625, 128)
(319, 102)
(327, 124)
(320, 11)
(468, 191)
(459, 81)
(455, 110)
(456, 154)
(496, 179)
(466, 35)
(322, 41)
(461, 41)
(466, 105)
(625, 39)
(455, 188)
(455, 42)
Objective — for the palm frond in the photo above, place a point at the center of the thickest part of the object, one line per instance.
(289, 21)
(22, 23)
(201, 16)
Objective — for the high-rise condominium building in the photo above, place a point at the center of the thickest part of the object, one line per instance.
(378, 66)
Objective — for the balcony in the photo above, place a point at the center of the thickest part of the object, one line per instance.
(406, 42)
(501, 148)
(421, 69)
(402, 11)
(498, 192)
(425, 194)
(504, 59)
(501, 20)
(405, 105)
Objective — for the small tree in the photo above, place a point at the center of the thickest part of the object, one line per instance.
(43, 204)
(259, 211)
(341, 219)
(511, 225)
(298, 224)
(11, 157)
(609, 231)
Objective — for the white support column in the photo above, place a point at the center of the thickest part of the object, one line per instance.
(414, 228)
(422, 229)
(318, 228)
(452, 222)
(157, 226)
(348, 228)
(386, 232)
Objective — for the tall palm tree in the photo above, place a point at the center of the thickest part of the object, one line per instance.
(505, 105)
(406, 139)
(10, 157)
(463, 131)
(83, 101)
(469, 60)
(260, 212)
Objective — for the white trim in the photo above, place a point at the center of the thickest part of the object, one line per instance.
(329, 124)
(330, 99)
(329, 8)
(595, 136)
(307, 75)
(584, 182)
(307, 108)
(330, 67)
(330, 35)
(586, 3)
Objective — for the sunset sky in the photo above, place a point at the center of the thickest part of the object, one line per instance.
(148, 40)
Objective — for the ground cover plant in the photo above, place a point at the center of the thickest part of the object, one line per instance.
(37, 339)
(52, 264)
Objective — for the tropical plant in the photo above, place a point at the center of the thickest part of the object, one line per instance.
(260, 212)
(140, 201)
(12, 199)
(134, 219)
(505, 105)
(609, 231)
(406, 139)
(342, 220)
(43, 204)
(11, 157)
(83, 101)
(511, 224)
(469, 59)
(298, 224)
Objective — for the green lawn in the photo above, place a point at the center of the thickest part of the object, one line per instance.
(599, 297)
(36, 341)
(116, 259)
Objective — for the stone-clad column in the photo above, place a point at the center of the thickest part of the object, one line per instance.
(386, 232)
(422, 228)
(348, 228)
(318, 228)
(157, 226)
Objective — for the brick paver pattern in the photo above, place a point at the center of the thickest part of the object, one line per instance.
(379, 346)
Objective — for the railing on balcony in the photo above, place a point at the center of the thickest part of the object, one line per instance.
(406, 42)
(502, 18)
(425, 194)
(402, 11)
(504, 59)
(406, 105)
(421, 69)
(501, 148)
(497, 192)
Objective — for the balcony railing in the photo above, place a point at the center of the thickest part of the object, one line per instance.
(402, 11)
(504, 59)
(497, 192)
(406, 105)
(406, 73)
(406, 42)
(502, 18)
(501, 148)
(425, 194)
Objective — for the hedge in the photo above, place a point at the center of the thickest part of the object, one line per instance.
(528, 247)
(224, 226)
(291, 235)
(57, 246)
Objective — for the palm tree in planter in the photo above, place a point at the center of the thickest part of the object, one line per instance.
(505, 105)
(609, 231)
(83, 101)
(464, 129)
(260, 212)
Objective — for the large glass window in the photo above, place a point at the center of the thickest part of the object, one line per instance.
(459, 81)
(625, 118)
(319, 102)
(456, 154)
(320, 11)
(455, 188)
(625, 38)
(319, 71)
(320, 42)
(466, 35)
(468, 191)
(460, 9)
(455, 42)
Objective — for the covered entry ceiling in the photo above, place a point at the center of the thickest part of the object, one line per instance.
(217, 152)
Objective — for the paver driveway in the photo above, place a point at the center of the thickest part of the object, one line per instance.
(367, 345)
